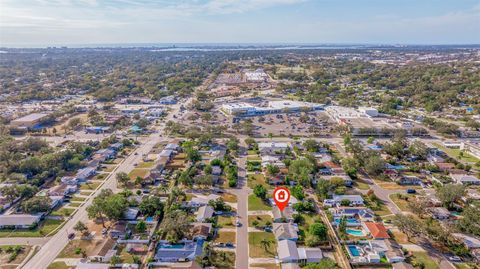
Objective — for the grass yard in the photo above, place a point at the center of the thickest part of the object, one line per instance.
(401, 203)
(255, 203)
(257, 250)
(262, 220)
(252, 152)
(145, 165)
(464, 266)
(43, 229)
(138, 172)
(423, 257)
(63, 212)
(86, 193)
(75, 247)
(223, 259)
(254, 158)
(224, 221)
(58, 265)
(257, 179)
(75, 204)
(454, 153)
(78, 199)
(229, 198)
(89, 186)
(225, 237)
(265, 265)
(360, 184)
(7, 255)
(400, 237)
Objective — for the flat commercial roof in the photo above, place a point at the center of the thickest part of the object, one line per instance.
(31, 117)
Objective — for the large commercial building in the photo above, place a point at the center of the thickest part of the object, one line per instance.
(272, 107)
(30, 120)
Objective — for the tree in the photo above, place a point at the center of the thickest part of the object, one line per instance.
(272, 169)
(265, 243)
(325, 263)
(122, 178)
(260, 191)
(408, 225)
(74, 123)
(193, 155)
(81, 227)
(141, 226)
(107, 205)
(151, 205)
(450, 193)
(37, 204)
(115, 260)
(470, 223)
(297, 192)
(319, 230)
(311, 145)
(374, 165)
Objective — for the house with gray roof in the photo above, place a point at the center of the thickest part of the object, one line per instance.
(283, 216)
(285, 231)
(19, 221)
(204, 212)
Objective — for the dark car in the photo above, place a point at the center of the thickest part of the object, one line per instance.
(411, 191)
(71, 236)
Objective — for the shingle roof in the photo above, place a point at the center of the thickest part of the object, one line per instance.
(377, 230)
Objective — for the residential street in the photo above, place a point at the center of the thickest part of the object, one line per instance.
(242, 193)
(54, 246)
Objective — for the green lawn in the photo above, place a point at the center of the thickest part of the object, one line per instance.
(255, 203)
(138, 172)
(262, 220)
(225, 237)
(359, 184)
(257, 179)
(63, 212)
(43, 229)
(89, 186)
(252, 152)
(58, 265)
(224, 221)
(74, 204)
(424, 258)
(78, 199)
(257, 250)
(454, 153)
(145, 165)
(254, 158)
(401, 203)
(86, 193)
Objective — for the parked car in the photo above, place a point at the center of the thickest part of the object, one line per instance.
(455, 259)
(411, 191)
(71, 236)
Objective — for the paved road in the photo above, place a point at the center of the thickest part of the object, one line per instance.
(242, 192)
(54, 246)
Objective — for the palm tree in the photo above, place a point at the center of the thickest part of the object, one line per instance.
(265, 244)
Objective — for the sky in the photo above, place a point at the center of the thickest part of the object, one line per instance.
(68, 22)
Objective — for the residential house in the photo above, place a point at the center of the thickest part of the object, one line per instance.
(283, 216)
(84, 173)
(445, 166)
(407, 180)
(116, 146)
(376, 230)
(470, 242)
(285, 231)
(69, 180)
(201, 231)
(204, 212)
(288, 252)
(130, 214)
(106, 253)
(465, 179)
(346, 179)
(82, 265)
(188, 252)
(62, 190)
(439, 213)
(272, 148)
(119, 230)
(216, 170)
(19, 221)
(338, 200)
(362, 214)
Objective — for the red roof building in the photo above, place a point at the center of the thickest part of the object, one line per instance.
(376, 230)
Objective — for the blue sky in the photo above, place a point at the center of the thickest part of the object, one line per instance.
(64, 22)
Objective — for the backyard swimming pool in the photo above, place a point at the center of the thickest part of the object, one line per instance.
(350, 221)
(354, 250)
(355, 232)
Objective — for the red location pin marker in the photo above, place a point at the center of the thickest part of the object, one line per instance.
(281, 196)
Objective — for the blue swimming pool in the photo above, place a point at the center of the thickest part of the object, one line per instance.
(149, 219)
(350, 221)
(354, 250)
(175, 246)
(355, 232)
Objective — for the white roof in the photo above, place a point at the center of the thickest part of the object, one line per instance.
(93, 265)
(287, 249)
(273, 145)
(310, 253)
